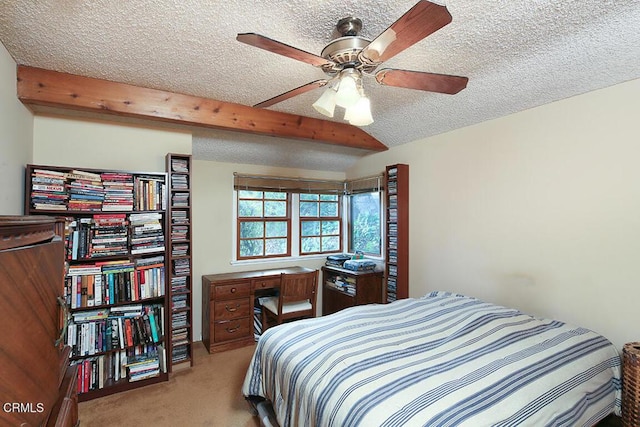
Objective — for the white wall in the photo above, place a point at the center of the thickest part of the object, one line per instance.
(104, 145)
(539, 210)
(16, 125)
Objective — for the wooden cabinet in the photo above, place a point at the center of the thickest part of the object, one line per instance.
(397, 232)
(227, 305)
(114, 270)
(179, 259)
(38, 385)
(342, 288)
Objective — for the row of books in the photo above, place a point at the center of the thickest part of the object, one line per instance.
(95, 373)
(113, 282)
(78, 190)
(343, 284)
(114, 235)
(118, 328)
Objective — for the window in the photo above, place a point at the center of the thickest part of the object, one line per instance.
(267, 206)
(320, 223)
(365, 226)
(264, 224)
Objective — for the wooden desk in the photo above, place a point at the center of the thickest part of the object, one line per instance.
(227, 305)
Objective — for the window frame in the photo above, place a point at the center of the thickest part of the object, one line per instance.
(264, 220)
(349, 213)
(319, 218)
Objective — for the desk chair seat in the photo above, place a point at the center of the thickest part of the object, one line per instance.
(297, 299)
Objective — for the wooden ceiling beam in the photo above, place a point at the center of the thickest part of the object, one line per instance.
(37, 86)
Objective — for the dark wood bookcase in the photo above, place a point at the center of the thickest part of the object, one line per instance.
(397, 232)
(115, 271)
(179, 258)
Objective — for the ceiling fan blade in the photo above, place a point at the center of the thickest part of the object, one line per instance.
(290, 94)
(274, 46)
(421, 20)
(441, 83)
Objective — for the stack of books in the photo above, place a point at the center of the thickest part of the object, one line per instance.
(179, 182)
(146, 233)
(181, 267)
(180, 165)
(179, 284)
(109, 235)
(48, 190)
(180, 200)
(179, 232)
(118, 191)
(86, 192)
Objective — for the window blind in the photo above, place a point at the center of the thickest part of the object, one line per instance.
(306, 185)
(288, 184)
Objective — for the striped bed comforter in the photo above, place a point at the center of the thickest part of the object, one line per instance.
(440, 360)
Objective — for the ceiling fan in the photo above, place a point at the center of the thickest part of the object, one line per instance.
(347, 58)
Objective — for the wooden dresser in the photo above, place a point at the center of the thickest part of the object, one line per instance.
(227, 305)
(37, 385)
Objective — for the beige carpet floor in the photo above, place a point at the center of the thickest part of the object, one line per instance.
(208, 394)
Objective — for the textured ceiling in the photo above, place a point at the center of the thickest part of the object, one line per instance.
(517, 54)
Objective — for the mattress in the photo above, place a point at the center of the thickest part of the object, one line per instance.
(440, 360)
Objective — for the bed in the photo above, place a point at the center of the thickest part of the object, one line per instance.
(440, 360)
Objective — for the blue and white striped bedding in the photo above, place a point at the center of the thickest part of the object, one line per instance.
(440, 360)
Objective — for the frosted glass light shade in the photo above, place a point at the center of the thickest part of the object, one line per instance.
(360, 113)
(326, 104)
(348, 93)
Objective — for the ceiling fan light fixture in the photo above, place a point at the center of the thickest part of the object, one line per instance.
(326, 104)
(360, 113)
(348, 93)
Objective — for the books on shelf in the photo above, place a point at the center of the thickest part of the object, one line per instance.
(84, 191)
(343, 284)
(146, 233)
(138, 328)
(112, 282)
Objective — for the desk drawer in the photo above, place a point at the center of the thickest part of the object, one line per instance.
(231, 309)
(233, 329)
(236, 290)
(266, 283)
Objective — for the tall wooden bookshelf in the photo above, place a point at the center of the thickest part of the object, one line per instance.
(179, 256)
(397, 232)
(115, 271)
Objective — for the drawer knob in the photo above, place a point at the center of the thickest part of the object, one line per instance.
(233, 290)
(232, 330)
(232, 309)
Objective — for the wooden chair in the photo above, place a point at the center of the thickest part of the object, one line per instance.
(297, 299)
